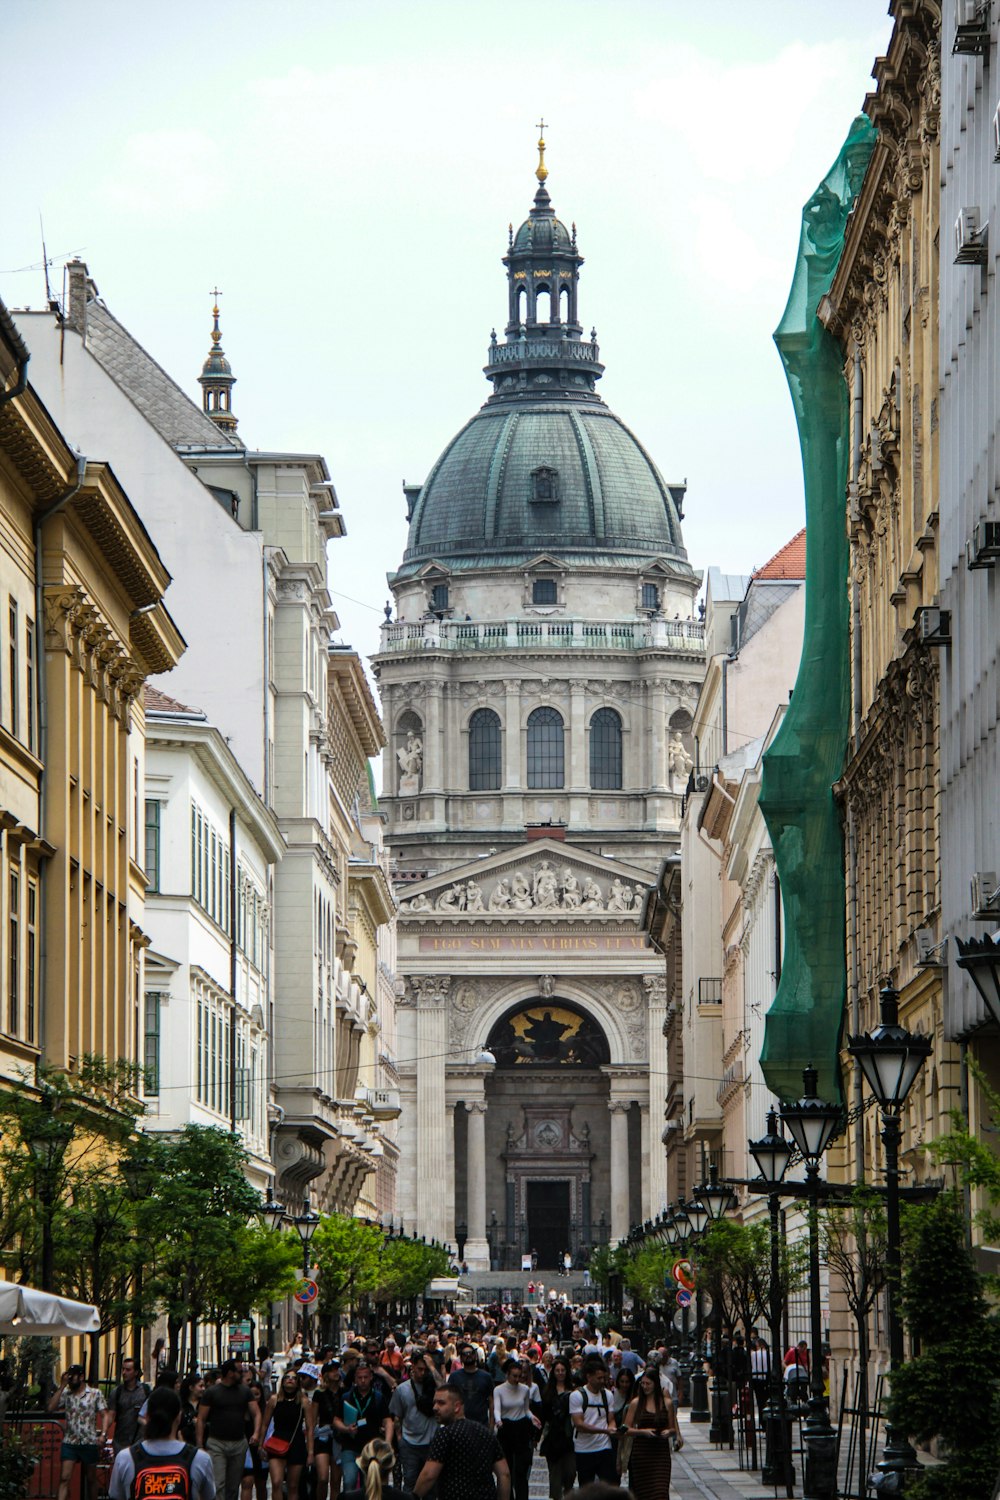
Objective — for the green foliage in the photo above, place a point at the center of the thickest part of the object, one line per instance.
(606, 1261)
(733, 1262)
(977, 1165)
(404, 1268)
(17, 1460)
(356, 1260)
(950, 1389)
(260, 1266)
(646, 1273)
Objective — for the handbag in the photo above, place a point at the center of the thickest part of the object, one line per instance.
(277, 1447)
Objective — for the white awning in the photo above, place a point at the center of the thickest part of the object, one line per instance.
(26, 1312)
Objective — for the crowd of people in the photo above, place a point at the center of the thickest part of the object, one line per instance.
(455, 1409)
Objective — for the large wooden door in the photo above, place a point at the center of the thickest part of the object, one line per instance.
(548, 1222)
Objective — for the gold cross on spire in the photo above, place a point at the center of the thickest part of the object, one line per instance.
(216, 335)
(541, 171)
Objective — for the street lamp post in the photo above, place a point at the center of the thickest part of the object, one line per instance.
(772, 1153)
(890, 1058)
(137, 1174)
(813, 1123)
(716, 1199)
(306, 1224)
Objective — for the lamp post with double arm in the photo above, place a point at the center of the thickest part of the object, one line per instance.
(813, 1123)
(890, 1058)
(716, 1199)
(772, 1154)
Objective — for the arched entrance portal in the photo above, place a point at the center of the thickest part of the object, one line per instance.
(547, 1131)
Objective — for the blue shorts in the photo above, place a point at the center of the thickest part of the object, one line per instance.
(80, 1453)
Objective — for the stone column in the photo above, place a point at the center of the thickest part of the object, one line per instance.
(433, 734)
(477, 1251)
(644, 1155)
(433, 1121)
(655, 1197)
(619, 1168)
(656, 707)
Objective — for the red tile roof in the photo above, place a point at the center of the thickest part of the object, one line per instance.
(789, 561)
(160, 703)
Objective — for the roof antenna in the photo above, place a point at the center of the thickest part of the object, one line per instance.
(45, 265)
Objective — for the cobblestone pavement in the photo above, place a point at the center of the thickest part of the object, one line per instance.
(700, 1471)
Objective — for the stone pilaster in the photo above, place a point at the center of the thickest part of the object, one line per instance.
(433, 1122)
(619, 1168)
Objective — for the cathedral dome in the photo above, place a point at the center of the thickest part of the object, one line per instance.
(544, 466)
(527, 477)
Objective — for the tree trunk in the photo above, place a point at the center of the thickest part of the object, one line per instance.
(173, 1342)
(862, 1322)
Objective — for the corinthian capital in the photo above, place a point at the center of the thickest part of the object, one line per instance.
(430, 990)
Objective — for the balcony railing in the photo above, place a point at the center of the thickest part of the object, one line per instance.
(547, 635)
(709, 991)
(383, 1103)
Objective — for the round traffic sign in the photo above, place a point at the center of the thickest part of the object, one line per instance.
(306, 1291)
(683, 1299)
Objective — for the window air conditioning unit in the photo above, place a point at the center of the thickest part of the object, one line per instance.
(928, 952)
(983, 547)
(972, 33)
(970, 238)
(933, 626)
(985, 896)
(701, 783)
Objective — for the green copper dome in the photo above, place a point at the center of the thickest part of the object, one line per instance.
(544, 466)
(543, 476)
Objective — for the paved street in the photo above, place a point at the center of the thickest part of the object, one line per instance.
(700, 1472)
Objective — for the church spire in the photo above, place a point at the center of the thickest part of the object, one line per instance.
(217, 378)
(541, 171)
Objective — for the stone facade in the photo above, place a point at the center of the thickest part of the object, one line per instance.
(538, 684)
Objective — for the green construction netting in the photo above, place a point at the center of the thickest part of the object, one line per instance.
(807, 755)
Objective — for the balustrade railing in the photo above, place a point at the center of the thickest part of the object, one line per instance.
(556, 635)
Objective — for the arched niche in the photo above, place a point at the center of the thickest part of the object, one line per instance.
(547, 1032)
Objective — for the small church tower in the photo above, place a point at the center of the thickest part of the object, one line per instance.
(217, 379)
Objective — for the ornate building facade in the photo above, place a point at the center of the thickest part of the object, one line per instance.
(883, 306)
(538, 683)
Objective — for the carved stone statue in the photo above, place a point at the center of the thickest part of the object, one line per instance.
(473, 896)
(520, 893)
(621, 896)
(453, 899)
(411, 760)
(679, 762)
(419, 903)
(593, 900)
(570, 889)
(545, 890)
(500, 896)
(546, 985)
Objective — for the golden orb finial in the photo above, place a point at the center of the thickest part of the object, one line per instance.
(541, 171)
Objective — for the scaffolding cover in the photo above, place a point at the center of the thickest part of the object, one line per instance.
(807, 754)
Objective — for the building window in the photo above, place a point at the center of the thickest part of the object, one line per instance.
(543, 591)
(14, 950)
(13, 657)
(152, 863)
(29, 657)
(544, 485)
(151, 1045)
(31, 961)
(439, 596)
(606, 750)
(484, 751)
(650, 596)
(546, 754)
(210, 862)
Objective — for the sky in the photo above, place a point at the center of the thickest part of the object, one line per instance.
(345, 171)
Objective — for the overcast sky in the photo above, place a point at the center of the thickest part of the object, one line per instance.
(345, 172)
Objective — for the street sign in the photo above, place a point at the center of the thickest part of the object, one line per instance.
(683, 1299)
(684, 1275)
(306, 1291)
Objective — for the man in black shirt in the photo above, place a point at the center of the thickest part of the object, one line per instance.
(126, 1403)
(464, 1456)
(476, 1388)
(221, 1428)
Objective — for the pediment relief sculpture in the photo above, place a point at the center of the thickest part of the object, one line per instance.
(545, 887)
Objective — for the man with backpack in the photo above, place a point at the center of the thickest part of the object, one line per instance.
(162, 1465)
(593, 1421)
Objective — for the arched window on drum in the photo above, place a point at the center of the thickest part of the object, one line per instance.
(485, 751)
(606, 750)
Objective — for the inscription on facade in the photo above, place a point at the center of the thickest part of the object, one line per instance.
(537, 943)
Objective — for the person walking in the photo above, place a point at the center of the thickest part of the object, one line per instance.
(465, 1457)
(86, 1410)
(375, 1462)
(126, 1403)
(162, 1463)
(289, 1424)
(476, 1387)
(366, 1416)
(593, 1425)
(412, 1409)
(556, 1446)
(516, 1424)
(651, 1423)
(328, 1399)
(221, 1427)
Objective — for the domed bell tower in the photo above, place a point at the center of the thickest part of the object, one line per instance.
(544, 345)
(217, 379)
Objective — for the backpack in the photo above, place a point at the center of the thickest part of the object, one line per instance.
(159, 1477)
